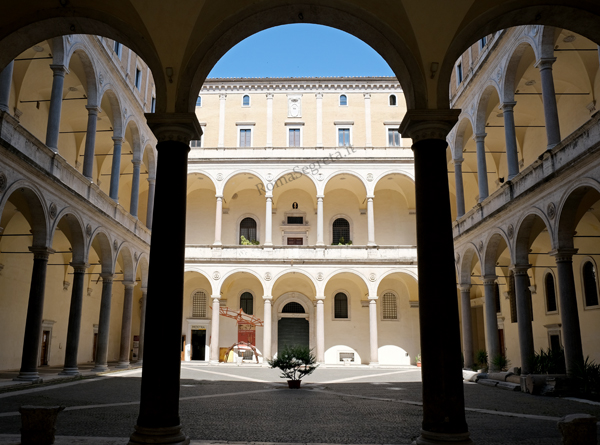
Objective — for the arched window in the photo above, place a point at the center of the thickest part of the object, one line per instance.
(341, 231)
(199, 102)
(248, 229)
(293, 308)
(340, 305)
(393, 100)
(550, 292)
(247, 303)
(246, 101)
(199, 304)
(389, 306)
(343, 100)
(589, 284)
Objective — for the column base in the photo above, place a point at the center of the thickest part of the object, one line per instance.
(371, 245)
(374, 365)
(31, 377)
(100, 368)
(123, 365)
(213, 362)
(70, 371)
(219, 244)
(428, 438)
(167, 436)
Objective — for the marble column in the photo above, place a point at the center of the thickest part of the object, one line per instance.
(460, 191)
(319, 97)
(221, 141)
(524, 317)
(569, 315)
(142, 327)
(442, 388)
(135, 188)
(218, 221)
(101, 364)
(115, 170)
(269, 222)
(370, 221)
(549, 99)
(510, 138)
(158, 420)
(150, 208)
(74, 326)
(5, 83)
(56, 97)
(373, 342)
(214, 331)
(125, 346)
(320, 329)
(482, 177)
(320, 221)
(467, 327)
(90, 141)
(35, 312)
(368, 138)
(268, 303)
(269, 142)
(492, 339)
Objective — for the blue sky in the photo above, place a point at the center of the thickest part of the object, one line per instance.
(301, 50)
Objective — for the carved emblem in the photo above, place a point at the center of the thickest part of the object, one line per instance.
(53, 210)
(511, 231)
(269, 177)
(66, 285)
(370, 177)
(294, 106)
(268, 276)
(101, 78)
(216, 275)
(88, 230)
(372, 277)
(219, 176)
(481, 246)
(457, 258)
(320, 176)
(116, 244)
(551, 210)
(320, 276)
(499, 74)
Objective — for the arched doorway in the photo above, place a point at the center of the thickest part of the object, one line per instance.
(294, 314)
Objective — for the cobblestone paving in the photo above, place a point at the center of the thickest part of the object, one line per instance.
(367, 407)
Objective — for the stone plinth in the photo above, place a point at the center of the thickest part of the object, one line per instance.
(578, 429)
(37, 424)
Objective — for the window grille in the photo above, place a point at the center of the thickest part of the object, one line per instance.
(295, 220)
(247, 303)
(293, 308)
(390, 307)
(393, 100)
(199, 305)
(196, 144)
(550, 293)
(248, 229)
(341, 305)
(589, 284)
(341, 231)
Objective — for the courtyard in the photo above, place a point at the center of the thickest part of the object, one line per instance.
(227, 403)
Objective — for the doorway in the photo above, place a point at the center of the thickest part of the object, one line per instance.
(45, 348)
(292, 332)
(198, 344)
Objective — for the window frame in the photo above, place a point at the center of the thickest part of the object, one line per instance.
(239, 135)
(242, 293)
(332, 220)
(459, 73)
(153, 104)
(239, 231)
(395, 100)
(585, 260)
(483, 42)
(288, 128)
(249, 101)
(118, 49)
(199, 102)
(345, 96)
(551, 273)
(392, 127)
(348, 299)
(207, 296)
(137, 80)
(380, 298)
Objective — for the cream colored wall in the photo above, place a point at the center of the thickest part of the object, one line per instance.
(394, 225)
(342, 203)
(248, 203)
(200, 217)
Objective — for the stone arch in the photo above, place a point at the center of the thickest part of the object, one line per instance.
(236, 271)
(227, 181)
(509, 81)
(316, 288)
(466, 263)
(281, 182)
(341, 16)
(278, 305)
(464, 123)
(483, 100)
(546, 42)
(136, 140)
(491, 253)
(413, 274)
(128, 262)
(345, 172)
(405, 183)
(100, 241)
(115, 106)
(527, 229)
(59, 50)
(149, 153)
(90, 71)
(572, 207)
(73, 231)
(350, 271)
(143, 264)
(214, 285)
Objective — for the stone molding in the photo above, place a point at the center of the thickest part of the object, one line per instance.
(428, 124)
(180, 127)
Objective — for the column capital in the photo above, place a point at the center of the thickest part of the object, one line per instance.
(129, 284)
(219, 196)
(319, 95)
(458, 161)
(320, 197)
(479, 137)
(215, 297)
(367, 95)
(222, 96)
(370, 197)
(151, 180)
(107, 277)
(180, 127)
(269, 196)
(520, 269)
(144, 291)
(136, 162)
(464, 287)
(93, 109)
(373, 297)
(489, 279)
(507, 106)
(59, 70)
(268, 298)
(320, 298)
(41, 253)
(269, 96)
(425, 124)
(79, 267)
(563, 255)
(118, 139)
(545, 63)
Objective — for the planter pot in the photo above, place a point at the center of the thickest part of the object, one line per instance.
(294, 384)
(419, 364)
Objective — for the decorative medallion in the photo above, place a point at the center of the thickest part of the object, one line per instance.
(219, 176)
(269, 177)
(320, 176)
(3, 182)
(216, 276)
(481, 246)
(89, 291)
(125, 112)
(66, 285)
(457, 257)
(53, 210)
(551, 210)
(511, 231)
(136, 256)
(88, 230)
(268, 276)
(499, 74)
(320, 276)
(101, 78)
(116, 244)
(372, 277)
(294, 106)
(570, 38)
(370, 177)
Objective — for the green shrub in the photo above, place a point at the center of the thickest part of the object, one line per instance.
(295, 362)
(587, 378)
(549, 362)
(481, 359)
(247, 242)
(500, 363)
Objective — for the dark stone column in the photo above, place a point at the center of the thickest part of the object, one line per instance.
(35, 313)
(74, 327)
(5, 83)
(150, 209)
(524, 317)
(510, 138)
(460, 191)
(549, 98)
(443, 398)
(126, 325)
(158, 421)
(492, 339)
(142, 327)
(90, 141)
(52, 131)
(567, 298)
(104, 324)
(115, 169)
(467, 326)
(135, 188)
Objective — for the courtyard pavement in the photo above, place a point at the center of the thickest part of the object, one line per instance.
(227, 403)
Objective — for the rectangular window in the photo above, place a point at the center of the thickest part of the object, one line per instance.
(393, 138)
(390, 308)
(245, 137)
(138, 78)
(199, 102)
(483, 42)
(294, 137)
(343, 137)
(153, 105)
(295, 241)
(295, 220)
(459, 74)
(196, 144)
(118, 49)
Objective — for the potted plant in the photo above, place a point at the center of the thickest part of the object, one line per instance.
(295, 363)
(418, 360)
